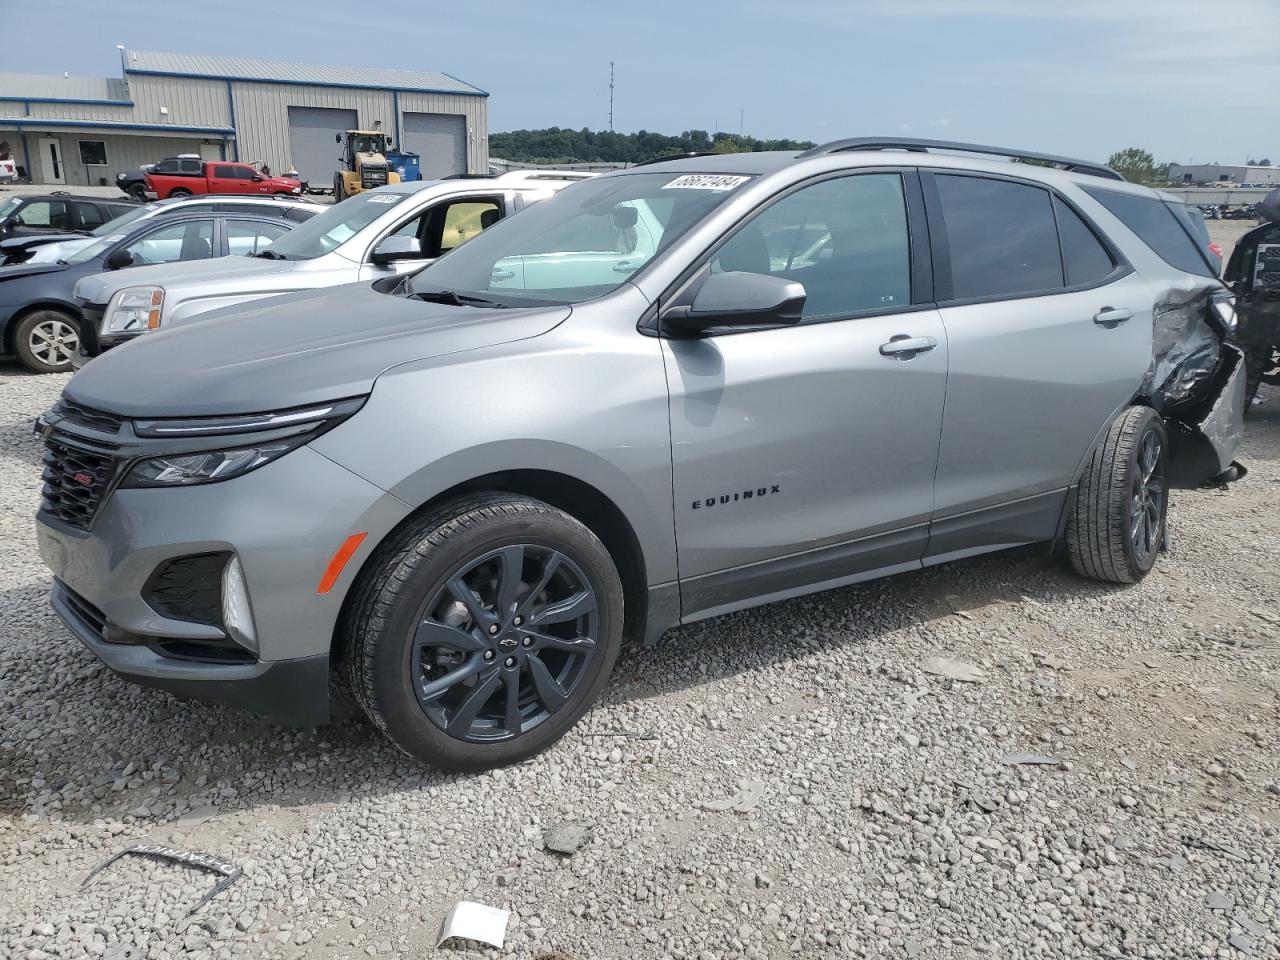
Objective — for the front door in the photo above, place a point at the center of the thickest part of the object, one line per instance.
(51, 169)
(804, 457)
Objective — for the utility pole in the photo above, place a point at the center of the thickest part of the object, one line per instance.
(611, 96)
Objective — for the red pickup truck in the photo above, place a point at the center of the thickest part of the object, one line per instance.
(218, 177)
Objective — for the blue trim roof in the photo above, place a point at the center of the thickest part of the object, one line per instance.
(156, 64)
(33, 123)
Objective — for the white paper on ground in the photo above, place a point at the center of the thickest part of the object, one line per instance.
(475, 921)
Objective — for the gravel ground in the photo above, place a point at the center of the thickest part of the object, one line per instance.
(870, 808)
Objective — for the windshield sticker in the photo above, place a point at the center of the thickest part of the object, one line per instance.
(384, 198)
(706, 181)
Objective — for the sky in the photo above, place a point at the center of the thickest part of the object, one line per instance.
(1185, 79)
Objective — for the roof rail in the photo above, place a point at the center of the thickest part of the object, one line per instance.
(924, 146)
(675, 156)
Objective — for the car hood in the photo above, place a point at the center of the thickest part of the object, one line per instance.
(51, 252)
(14, 271)
(288, 351)
(100, 288)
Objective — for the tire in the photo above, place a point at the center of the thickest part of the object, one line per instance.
(46, 340)
(1122, 478)
(446, 702)
(138, 191)
(180, 192)
(337, 188)
(1259, 360)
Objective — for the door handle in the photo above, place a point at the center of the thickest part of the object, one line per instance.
(499, 274)
(905, 347)
(1111, 316)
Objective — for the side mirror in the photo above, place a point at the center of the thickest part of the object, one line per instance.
(258, 178)
(738, 299)
(396, 248)
(119, 259)
(337, 138)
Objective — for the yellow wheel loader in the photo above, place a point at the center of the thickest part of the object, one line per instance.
(364, 163)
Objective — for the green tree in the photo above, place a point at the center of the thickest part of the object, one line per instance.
(558, 145)
(1134, 164)
(1264, 162)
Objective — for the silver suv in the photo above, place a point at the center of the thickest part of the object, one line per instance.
(660, 395)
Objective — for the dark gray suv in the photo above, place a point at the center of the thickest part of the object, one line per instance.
(660, 395)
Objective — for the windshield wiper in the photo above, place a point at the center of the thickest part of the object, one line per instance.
(454, 299)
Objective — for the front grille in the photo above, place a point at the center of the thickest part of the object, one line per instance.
(188, 588)
(75, 481)
(87, 416)
(373, 176)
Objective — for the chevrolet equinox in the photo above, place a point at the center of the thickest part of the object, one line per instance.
(663, 394)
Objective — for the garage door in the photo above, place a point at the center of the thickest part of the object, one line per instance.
(311, 144)
(440, 139)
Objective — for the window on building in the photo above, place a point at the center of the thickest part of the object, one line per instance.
(93, 153)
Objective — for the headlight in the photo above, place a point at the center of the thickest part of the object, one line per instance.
(207, 466)
(133, 310)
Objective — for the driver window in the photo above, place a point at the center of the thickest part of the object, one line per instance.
(844, 239)
(179, 241)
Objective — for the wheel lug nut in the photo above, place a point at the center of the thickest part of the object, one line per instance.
(510, 661)
(494, 628)
(518, 621)
(528, 641)
(488, 654)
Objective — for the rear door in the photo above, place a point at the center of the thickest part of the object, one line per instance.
(1050, 334)
(804, 456)
(173, 242)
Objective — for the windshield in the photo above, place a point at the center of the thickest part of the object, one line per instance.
(366, 144)
(95, 249)
(117, 225)
(327, 231)
(582, 243)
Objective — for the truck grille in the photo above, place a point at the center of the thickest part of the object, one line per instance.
(75, 481)
(373, 177)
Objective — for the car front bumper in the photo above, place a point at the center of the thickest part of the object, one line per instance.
(283, 522)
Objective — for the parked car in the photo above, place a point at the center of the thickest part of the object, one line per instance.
(463, 488)
(8, 170)
(1254, 275)
(49, 248)
(39, 320)
(377, 233)
(45, 213)
(218, 177)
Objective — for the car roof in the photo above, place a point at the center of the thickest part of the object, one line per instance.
(123, 201)
(938, 154)
(251, 198)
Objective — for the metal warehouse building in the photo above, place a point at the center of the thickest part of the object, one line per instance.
(81, 130)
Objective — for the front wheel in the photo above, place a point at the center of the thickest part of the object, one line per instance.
(337, 189)
(482, 632)
(1116, 526)
(138, 191)
(46, 340)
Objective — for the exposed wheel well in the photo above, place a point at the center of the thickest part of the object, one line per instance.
(576, 498)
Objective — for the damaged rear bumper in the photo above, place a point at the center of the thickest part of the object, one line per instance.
(1205, 440)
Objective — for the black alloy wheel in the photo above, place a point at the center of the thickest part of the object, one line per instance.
(504, 643)
(478, 633)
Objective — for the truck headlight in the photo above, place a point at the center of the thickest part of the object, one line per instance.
(207, 466)
(133, 310)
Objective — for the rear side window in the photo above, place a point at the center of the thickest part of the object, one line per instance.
(1002, 237)
(1085, 258)
(1157, 226)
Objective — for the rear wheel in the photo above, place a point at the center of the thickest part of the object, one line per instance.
(46, 340)
(1115, 529)
(483, 631)
(180, 192)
